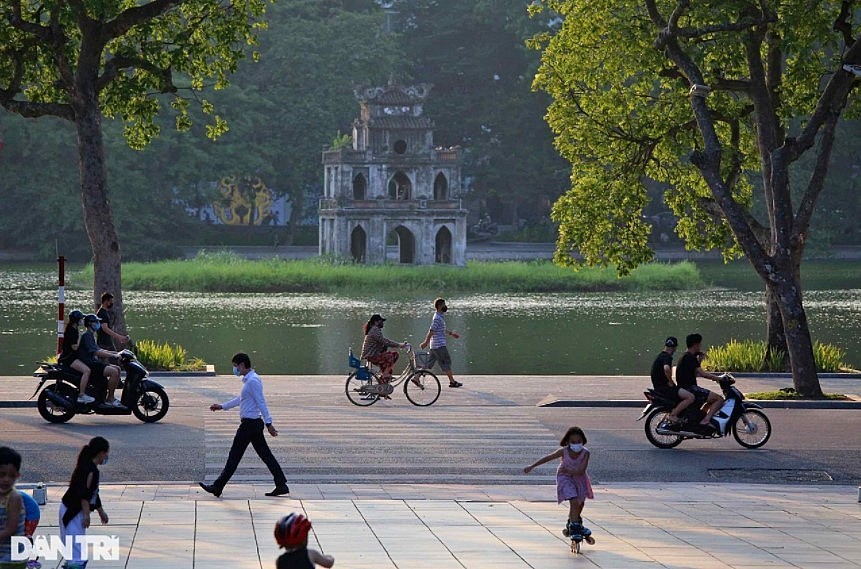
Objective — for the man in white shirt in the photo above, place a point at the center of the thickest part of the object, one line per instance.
(253, 415)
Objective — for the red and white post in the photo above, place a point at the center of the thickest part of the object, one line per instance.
(61, 302)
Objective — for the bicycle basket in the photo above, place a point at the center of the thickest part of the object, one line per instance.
(422, 360)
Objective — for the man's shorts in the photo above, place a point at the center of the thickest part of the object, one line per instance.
(700, 393)
(440, 355)
(670, 392)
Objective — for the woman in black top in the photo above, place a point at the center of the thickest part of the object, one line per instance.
(69, 355)
(83, 494)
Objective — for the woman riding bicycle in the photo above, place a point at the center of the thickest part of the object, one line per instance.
(375, 348)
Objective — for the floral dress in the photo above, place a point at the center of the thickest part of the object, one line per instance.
(569, 485)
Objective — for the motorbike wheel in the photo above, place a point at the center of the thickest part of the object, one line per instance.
(151, 405)
(49, 410)
(356, 395)
(661, 441)
(755, 432)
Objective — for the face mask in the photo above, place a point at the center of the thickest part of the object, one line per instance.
(444, 309)
(105, 460)
(236, 371)
(576, 447)
(97, 326)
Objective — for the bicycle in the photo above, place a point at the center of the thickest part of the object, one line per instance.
(421, 386)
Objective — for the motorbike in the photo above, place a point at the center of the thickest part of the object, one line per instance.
(58, 401)
(746, 421)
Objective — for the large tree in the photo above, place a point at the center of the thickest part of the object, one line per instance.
(715, 100)
(80, 60)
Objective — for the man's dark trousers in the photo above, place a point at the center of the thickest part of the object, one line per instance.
(250, 431)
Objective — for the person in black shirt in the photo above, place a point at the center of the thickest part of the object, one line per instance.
(662, 379)
(82, 496)
(89, 352)
(69, 356)
(105, 334)
(686, 376)
(291, 533)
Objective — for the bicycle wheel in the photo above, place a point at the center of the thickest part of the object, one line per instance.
(422, 388)
(357, 390)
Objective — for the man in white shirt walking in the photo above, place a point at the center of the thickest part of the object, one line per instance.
(436, 339)
(253, 415)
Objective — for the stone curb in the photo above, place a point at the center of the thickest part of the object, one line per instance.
(767, 404)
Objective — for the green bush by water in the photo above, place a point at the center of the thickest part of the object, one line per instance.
(749, 356)
(166, 357)
(227, 272)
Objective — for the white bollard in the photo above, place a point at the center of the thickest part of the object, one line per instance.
(859, 494)
(40, 493)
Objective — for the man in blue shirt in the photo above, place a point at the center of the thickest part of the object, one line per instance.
(253, 416)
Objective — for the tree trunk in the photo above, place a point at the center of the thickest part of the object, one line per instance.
(798, 342)
(98, 216)
(776, 337)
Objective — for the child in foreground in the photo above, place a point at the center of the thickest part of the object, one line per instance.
(291, 533)
(11, 506)
(572, 481)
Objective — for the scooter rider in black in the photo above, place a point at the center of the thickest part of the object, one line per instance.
(89, 352)
(686, 377)
(662, 381)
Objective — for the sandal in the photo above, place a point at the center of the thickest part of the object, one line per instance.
(454, 384)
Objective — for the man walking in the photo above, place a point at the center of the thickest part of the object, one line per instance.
(436, 338)
(253, 416)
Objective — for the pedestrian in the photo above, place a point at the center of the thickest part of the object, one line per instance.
(253, 416)
(106, 333)
(662, 381)
(69, 355)
(82, 497)
(12, 514)
(375, 347)
(436, 339)
(572, 480)
(291, 533)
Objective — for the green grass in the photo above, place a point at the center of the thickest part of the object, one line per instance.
(749, 356)
(790, 393)
(166, 357)
(227, 272)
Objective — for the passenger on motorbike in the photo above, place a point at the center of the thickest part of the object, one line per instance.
(89, 352)
(662, 380)
(686, 376)
(69, 354)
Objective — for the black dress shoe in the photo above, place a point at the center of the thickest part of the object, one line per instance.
(279, 491)
(211, 489)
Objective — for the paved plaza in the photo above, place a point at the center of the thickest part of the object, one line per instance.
(678, 526)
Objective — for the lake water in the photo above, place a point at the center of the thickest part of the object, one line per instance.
(532, 334)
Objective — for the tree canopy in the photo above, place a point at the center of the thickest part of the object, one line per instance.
(714, 101)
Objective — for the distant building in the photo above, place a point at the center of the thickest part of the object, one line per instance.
(393, 196)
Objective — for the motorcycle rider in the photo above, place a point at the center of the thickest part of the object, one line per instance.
(686, 377)
(69, 355)
(662, 381)
(89, 352)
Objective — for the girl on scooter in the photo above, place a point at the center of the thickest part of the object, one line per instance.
(572, 481)
(69, 355)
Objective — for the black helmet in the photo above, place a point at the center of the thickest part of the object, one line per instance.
(75, 316)
(89, 319)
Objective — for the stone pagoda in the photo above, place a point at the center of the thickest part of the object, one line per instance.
(393, 196)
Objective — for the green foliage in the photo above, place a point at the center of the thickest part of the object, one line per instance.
(228, 272)
(157, 356)
(791, 394)
(622, 114)
(749, 356)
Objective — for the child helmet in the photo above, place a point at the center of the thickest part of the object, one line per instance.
(292, 530)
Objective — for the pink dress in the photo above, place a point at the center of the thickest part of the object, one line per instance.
(568, 484)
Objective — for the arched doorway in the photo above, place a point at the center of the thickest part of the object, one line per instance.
(403, 242)
(360, 186)
(442, 250)
(358, 244)
(440, 187)
(400, 187)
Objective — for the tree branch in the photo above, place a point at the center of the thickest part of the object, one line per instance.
(843, 22)
(817, 179)
(34, 110)
(18, 22)
(131, 17)
(117, 63)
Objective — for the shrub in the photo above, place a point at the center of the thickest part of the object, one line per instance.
(165, 357)
(749, 356)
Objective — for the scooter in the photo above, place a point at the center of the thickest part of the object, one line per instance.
(58, 402)
(745, 420)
